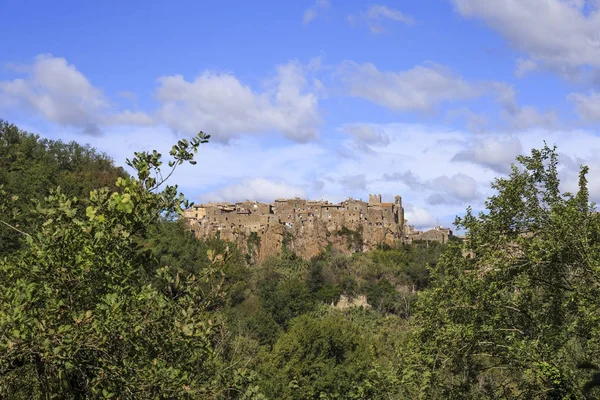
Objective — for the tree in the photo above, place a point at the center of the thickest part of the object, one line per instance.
(87, 311)
(31, 166)
(172, 243)
(514, 309)
(321, 357)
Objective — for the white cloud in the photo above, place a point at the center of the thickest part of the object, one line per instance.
(364, 137)
(128, 117)
(416, 155)
(425, 87)
(528, 116)
(421, 88)
(377, 14)
(354, 183)
(214, 102)
(60, 93)
(313, 11)
(259, 189)
(521, 117)
(525, 66)
(57, 91)
(459, 188)
(407, 177)
(477, 123)
(506, 97)
(496, 153)
(587, 105)
(367, 134)
(378, 11)
(562, 35)
(419, 217)
(219, 103)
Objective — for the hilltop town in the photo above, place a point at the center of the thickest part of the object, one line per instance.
(306, 226)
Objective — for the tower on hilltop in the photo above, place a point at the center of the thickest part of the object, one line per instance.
(399, 211)
(374, 199)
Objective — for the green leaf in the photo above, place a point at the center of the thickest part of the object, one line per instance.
(90, 212)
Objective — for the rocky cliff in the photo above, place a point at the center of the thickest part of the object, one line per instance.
(305, 240)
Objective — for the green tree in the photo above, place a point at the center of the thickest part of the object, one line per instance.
(285, 299)
(321, 358)
(514, 309)
(172, 243)
(86, 311)
(31, 166)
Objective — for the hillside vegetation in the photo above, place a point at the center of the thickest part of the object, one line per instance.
(105, 294)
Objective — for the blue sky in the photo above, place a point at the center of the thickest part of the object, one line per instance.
(323, 99)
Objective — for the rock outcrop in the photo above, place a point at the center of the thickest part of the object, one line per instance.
(306, 240)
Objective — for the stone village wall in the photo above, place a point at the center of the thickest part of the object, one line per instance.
(306, 227)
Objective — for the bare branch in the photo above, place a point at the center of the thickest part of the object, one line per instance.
(18, 230)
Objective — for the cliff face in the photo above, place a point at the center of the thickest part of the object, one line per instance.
(306, 240)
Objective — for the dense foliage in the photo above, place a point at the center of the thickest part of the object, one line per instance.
(103, 294)
(31, 166)
(83, 312)
(515, 317)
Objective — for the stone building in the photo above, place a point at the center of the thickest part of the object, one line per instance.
(312, 224)
(437, 234)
